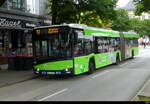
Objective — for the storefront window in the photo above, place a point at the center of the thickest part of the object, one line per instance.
(15, 4)
(29, 45)
(1, 43)
(4, 44)
(3, 47)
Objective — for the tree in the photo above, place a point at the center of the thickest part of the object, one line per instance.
(2, 2)
(140, 26)
(75, 11)
(145, 30)
(122, 23)
(136, 25)
(91, 19)
(142, 6)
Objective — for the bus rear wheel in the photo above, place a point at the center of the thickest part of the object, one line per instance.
(132, 57)
(91, 67)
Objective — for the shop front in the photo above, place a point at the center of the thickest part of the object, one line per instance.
(16, 43)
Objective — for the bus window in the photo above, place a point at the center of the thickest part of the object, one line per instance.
(87, 46)
(44, 48)
(114, 44)
(79, 50)
(102, 44)
(56, 45)
(41, 48)
(60, 46)
(107, 44)
(79, 43)
(135, 42)
(37, 45)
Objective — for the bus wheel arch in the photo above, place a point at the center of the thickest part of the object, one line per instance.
(91, 65)
(118, 60)
(132, 54)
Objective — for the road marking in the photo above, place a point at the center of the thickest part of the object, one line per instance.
(124, 64)
(100, 74)
(53, 95)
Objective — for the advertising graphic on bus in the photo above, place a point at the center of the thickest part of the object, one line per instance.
(76, 49)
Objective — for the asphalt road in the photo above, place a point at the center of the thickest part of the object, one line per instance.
(112, 83)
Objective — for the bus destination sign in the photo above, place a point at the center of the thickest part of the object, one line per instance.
(47, 31)
(53, 30)
(38, 32)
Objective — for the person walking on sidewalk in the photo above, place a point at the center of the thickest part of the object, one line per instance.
(144, 43)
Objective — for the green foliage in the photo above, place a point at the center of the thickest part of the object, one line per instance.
(122, 22)
(140, 26)
(90, 12)
(91, 19)
(146, 27)
(136, 25)
(142, 6)
(2, 2)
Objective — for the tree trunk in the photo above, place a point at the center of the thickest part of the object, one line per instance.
(54, 12)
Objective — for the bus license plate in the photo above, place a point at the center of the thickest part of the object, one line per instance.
(50, 72)
(44, 73)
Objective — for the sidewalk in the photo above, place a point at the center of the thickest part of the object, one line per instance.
(10, 77)
(144, 93)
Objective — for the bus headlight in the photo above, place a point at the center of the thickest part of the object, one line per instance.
(38, 69)
(66, 70)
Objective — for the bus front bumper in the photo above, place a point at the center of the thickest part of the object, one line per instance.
(60, 72)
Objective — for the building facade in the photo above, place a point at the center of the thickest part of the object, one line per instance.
(36, 7)
(130, 7)
(16, 24)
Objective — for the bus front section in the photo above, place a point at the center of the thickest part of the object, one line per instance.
(52, 48)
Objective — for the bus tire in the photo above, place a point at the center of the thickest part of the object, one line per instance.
(117, 60)
(132, 57)
(91, 67)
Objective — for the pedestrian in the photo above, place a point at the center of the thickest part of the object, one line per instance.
(144, 42)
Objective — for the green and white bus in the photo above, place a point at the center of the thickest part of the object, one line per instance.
(76, 49)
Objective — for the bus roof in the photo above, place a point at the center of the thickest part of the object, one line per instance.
(130, 35)
(95, 31)
(79, 26)
(88, 30)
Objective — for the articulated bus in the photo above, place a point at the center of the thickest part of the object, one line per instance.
(75, 49)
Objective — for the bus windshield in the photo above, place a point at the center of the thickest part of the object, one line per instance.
(53, 46)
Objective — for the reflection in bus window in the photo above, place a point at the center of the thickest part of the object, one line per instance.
(56, 46)
(37, 45)
(107, 44)
(87, 46)
(41, 48)
(44, 48)
(79, 50)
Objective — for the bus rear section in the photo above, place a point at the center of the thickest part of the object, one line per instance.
(129, 45)
(52, 47)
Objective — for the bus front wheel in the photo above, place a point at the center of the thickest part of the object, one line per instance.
(117, 60)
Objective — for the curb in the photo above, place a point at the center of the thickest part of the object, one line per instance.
(13, 83)
(139, 96)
